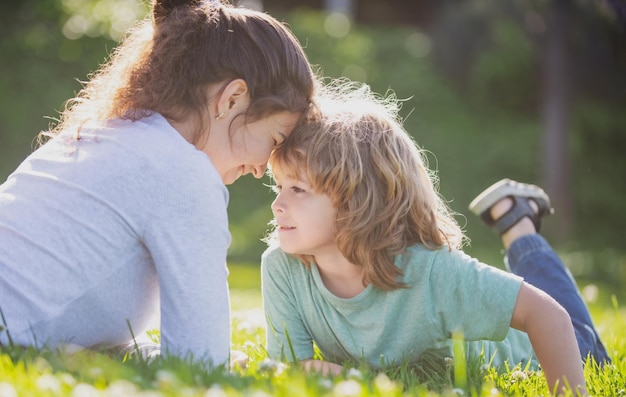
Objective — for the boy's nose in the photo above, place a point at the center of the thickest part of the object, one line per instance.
(277, 206)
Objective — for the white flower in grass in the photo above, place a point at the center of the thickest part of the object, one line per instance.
(96, 372)
(85, 390)
(149, 393)
(7, 390)
(384, 384)
(347, 388)
(449, 362)
(215, 391)
(249, 345)
(165, 379)
(269, 365)
(67, 379)
(187, 391)
(354, 373)
(42, 365)
(458, 392)
(48, 383)
(325, 384)
(494, 392)
(280, 368)
(121, 388)
(245, 326)
(518, 376)
(260, 393)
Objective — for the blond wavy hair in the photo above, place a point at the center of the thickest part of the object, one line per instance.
(356, 151)
(165, 63)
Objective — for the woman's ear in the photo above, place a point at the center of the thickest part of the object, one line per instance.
(233, 97)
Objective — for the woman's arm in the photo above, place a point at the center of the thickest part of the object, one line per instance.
(186, 232)
(551, 333)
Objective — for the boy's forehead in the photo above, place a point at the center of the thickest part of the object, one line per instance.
(283, 170)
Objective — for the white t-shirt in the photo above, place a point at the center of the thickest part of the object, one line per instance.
(94, 231)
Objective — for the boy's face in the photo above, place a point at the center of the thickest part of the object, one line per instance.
(305, 219)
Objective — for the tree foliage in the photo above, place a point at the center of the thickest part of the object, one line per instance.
(470, 82)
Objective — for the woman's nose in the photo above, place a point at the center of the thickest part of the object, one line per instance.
(259, 170)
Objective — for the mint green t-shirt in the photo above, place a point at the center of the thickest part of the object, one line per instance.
(448, 291)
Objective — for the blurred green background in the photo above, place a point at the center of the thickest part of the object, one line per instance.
(535, 91)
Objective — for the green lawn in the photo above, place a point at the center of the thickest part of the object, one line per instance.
(26, 372)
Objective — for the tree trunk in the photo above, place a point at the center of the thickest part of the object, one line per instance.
(556, 109)
(345, 7)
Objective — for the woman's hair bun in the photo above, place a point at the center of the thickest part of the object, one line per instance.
(162, 8)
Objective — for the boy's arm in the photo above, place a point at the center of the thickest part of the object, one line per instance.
(551, 334)
(287, 336)
(323, 367)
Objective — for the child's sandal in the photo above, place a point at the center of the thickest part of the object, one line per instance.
(521, 194)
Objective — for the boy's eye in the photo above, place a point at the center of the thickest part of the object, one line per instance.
(278, 188)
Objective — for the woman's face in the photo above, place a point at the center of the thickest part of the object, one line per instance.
(237, 148)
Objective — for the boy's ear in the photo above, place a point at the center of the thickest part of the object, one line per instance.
(234, 96)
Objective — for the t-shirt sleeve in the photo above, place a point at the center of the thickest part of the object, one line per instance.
(472, 297)
(286, 335)
(187, 235)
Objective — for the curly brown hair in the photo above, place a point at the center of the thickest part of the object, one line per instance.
(165, 63)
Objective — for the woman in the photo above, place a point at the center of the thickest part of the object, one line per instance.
(126, 202)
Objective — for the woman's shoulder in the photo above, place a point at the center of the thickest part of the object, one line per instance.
(154, 133)
(155, 162)
(162, 150)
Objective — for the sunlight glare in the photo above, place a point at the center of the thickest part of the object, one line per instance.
(337, 25)
(418, 44)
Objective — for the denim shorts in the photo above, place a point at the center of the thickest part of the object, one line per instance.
(532, 258)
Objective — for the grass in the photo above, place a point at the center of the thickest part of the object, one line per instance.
(30, 372)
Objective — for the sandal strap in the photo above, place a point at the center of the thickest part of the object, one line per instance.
(521, 208)
(521, 194)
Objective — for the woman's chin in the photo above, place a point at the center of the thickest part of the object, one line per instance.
(231, 176)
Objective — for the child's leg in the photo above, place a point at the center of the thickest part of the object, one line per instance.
(532, 258)
(515, 210)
